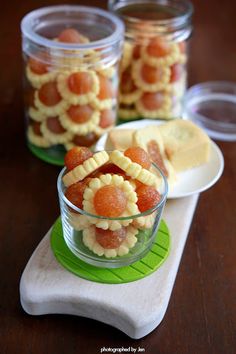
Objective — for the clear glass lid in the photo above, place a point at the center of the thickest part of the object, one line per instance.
(212, 105)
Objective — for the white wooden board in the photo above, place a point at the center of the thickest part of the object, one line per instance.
(135, 308)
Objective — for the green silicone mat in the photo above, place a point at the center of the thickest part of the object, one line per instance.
(138, 270)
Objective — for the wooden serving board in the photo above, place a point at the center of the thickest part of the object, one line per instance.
(135, 308)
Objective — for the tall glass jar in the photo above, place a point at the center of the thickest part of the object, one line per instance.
(71, 56)
(153, 67)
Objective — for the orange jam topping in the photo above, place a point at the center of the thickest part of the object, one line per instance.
(49, 95)
(154, 152)
(106, 89)
(138, 155)
(148, 197)
(70, 35)
(80, 83)
(152, 100)
(110, 201)
(110, 239)
(151, 74)
(54, 125)
(158, 47)
(85, 140)
(76, 156)
(80, 114)
(107, 118)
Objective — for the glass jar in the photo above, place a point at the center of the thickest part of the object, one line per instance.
(71, 56)
(85, 232)
(153, 67)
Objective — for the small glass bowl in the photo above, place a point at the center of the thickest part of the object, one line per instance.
(145, 223)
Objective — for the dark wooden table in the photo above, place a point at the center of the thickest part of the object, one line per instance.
(201, 317)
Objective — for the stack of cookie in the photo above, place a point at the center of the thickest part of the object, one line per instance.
(153, 79)
(110, 198)
(71, 100)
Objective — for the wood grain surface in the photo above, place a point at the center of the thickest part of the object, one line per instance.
(201, 317)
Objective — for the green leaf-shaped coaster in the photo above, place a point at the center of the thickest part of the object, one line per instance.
(138, 270)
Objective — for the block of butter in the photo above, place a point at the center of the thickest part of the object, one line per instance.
(186, 145)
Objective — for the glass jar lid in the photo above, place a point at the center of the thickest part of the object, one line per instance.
(105, 28)
(148, 18)
(212, 106)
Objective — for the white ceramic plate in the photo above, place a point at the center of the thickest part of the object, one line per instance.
(191, 181)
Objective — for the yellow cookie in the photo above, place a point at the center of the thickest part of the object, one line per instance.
(127, 55)
(103, 104)
(163, 112)
(100, 131)
(36, 115)
(179, 87)
(164, 61)
(108, 72)
(89, 239)
(160, 84)
(55, 138)
(37, 80)
(37, 140)
(80, 128)
(50, 111)
(128, 112)
(87, 167)
(78, 222)
(129, 98)
(74, 98)
(133, 169)
(145, 222)
(70, 144)
(105, 98)
(114, 180)
(77, 59)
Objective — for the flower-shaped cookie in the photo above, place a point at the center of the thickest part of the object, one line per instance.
(80, 119)
(159, 52)
(79, 87)
(36, 115)
(145, 222)
(107, 71)
(54, 132)
(49, 101)
(107, 120)
(37, 80)
(150, 78)
(129, 92)
(78, 222)
(127, 55)
(91, 238)
(105, 96)
(87, 140)
(154, 105)
(36, 137)
(110, 197)
(128, 112)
